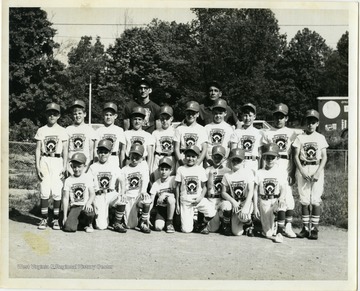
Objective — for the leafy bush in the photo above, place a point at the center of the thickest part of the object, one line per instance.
(25, 130)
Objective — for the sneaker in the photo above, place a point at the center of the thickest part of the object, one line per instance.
(205, 230)
(289, 232)
(55, 224)
(89, 229)
(279, 238)
(170, 229)
(227, 230)
(144, 227)
(314, 233)
(249, 231)
(43, 224)
(119, 227)
(303, 233)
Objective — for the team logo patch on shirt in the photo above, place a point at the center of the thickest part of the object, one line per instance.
(77, 141)
(104, 180)
(217, 184)
(166, 144)
(270, 186)
(137, 140)
(78, 191)
(310, 150)
(110, 137)
(239, 190)
(281, 140)
(191, 184)
(190, 139)
(50, 144)
(247, 142)
(217, 135)
(134, 181)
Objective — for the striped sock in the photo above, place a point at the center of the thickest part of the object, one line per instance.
(281, 218)
(145, 212)
(315, 215)
(289, 216)
(56, 208)
(44, 207)
(119, 213)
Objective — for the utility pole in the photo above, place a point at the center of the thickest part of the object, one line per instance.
(90, 101)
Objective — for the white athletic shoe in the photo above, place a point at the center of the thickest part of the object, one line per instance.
(43, 224)
(279, 238)
(289, 232)
(89, 229)
(55, 224)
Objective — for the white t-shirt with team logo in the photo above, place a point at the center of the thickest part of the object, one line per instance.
(270, 181)
(219, 134)
(160, 188)
(164, 140)
(238, 182)
(217, 174)
(80, 137)
(194, 134)
(105, 176)
(51, 138)
(247, 139)
(113, 133)
(138, 137)
(78, 188)
(136, 179)
(190, 179)
(310, 146)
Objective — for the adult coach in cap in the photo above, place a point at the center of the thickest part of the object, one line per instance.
(152, 118)
(205, 112)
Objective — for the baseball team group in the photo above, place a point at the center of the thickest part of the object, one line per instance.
(214, 172)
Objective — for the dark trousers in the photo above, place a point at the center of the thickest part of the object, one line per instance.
(78, 216)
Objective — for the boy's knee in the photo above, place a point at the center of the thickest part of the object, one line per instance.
(170, 200)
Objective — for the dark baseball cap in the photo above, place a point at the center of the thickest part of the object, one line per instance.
(78, 157)
(166, 109)
(105, 143)
(271, 149)
(214, 83)
(220, 103)
(138, 110)
(250, 106)
(192, 106)
(137, 148)
(167, 161)
(281, 108)
(79, 103)
(218, 150)
(192, 148)
(312, 113)
(144, 81)
(110, 105)
(53, 106)
(237, 153)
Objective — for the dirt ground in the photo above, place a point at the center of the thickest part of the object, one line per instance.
(134, 255)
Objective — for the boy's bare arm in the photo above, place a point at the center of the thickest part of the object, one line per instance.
(299, 166)
(202, 156)
(228, 197)
(249, 199)
(315, 177)
(65, 204)
(65, 154)
(37, 159)
(126, 123)
(177, 197)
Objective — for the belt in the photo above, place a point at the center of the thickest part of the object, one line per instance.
(250, 158)
(103, 191)
(305, 163)
(114, 153)
(267, 197)
(284, 157)
(214, 196)
(165, 154)
(53, 155)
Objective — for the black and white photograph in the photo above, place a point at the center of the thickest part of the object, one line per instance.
(177, 145)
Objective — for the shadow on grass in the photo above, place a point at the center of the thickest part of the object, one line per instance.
(31, 218)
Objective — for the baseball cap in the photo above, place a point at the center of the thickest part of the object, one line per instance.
(79, 103)
(192, 148)
(214, 83)
(237, 153)
(78, 157)
(144, 81)
(110, 105)
(270, 149)
(193, 106)
(282, 108)
(218, 150)
(137, 148)
(166, 109)
(220, 103)
(312, 113)
(249, 105)
(138, 110)
(52, 106)
(166, 160)
(105, 143)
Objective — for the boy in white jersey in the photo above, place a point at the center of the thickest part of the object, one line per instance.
(190, 190)
(248, 138)
(164, 140)
(163, 191)
(79, 190)
(238, 191)
(113, 133)
(51, 160)
(310, 158)
(137, 135)
(219, 131)
(81, 135)
(135, 176)
(107, 183)
(189, 134)
(284, 137)
(271, 184)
